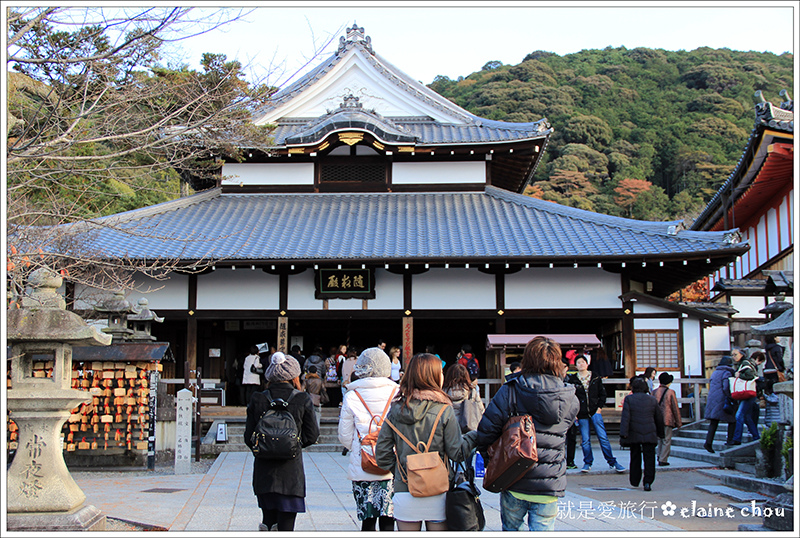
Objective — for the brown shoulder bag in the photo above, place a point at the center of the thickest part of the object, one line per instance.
(427, 474)
(368, 463)
(514, 453)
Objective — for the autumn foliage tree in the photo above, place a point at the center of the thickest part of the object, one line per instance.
(628, 191)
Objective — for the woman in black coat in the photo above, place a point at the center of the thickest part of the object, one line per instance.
(640, 428)
(280, 485)
(719, 393)
(539, 391)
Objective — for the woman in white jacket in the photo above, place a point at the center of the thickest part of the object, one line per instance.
(372, 492)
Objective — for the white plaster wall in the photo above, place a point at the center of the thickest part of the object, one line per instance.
(430, 173)
(240, 289)
(717, 338)
(585, 287)
(773, 247)
(785, 223)
(268, 174)
(644, 308)
(169, 294)
(388, 291)
(667, 324)
(761, 230)
(748, 307)
(301, 292)
(692, 347)
(453, 289)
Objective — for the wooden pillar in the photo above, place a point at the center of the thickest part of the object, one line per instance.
(408, 321)
(628, 340)
(191, 324)
(500, 300)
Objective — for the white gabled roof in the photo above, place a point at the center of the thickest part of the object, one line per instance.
(356, 70)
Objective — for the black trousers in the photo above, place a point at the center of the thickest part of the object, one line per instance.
(712, 430)
(646, 451)
(572, 436)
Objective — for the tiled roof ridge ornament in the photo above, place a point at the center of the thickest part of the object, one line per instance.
(769, 114)
(789, 103)
(351, 101)
(355, 34)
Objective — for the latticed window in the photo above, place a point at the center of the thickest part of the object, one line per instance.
(658, 349)
(353, 173)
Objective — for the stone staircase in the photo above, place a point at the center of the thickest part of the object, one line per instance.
(235, 421)
(328, 432)
(688, 441)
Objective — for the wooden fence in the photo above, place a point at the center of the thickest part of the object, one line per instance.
(689, 391)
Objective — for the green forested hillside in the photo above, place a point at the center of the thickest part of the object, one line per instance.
(646, 133)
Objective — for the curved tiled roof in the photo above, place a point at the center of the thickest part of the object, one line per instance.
(474, 129)
(492, 225)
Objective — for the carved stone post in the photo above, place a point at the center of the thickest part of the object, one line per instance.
(41, 495)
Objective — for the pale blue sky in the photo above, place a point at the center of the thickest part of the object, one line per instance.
(456, 39)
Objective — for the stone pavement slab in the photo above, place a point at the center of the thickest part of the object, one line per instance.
(733, 493)
(222, 500)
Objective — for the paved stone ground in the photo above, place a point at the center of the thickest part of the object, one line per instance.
(217, 496)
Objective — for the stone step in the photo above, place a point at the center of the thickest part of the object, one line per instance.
(745, 467)
(694, 454)
(720, 435)
(697, 443)
(737, 479)
(732, 493)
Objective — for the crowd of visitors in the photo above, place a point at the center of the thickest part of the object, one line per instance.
(391, 411)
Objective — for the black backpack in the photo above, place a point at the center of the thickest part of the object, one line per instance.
(472, 367)
(276, 436)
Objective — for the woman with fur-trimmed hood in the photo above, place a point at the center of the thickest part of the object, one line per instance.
(420, 404)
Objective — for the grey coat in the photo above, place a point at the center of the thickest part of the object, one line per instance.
(719, 390)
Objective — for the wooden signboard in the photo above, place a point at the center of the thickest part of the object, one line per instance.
(344, 283)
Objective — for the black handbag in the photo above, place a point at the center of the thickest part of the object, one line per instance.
(462, 504)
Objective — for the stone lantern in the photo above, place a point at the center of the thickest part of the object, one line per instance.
(116, 310)
(141, 321)
(41, 494)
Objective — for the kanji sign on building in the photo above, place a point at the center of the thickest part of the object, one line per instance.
(345, 283)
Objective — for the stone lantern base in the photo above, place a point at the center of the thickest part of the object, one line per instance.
(83, 518)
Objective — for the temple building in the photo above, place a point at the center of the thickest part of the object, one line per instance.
(384, 211)
(758, 199)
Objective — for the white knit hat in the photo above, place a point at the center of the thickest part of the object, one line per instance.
(373, 362)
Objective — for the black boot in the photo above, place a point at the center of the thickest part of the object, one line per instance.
(708, 448)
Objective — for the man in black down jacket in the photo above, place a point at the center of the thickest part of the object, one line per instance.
(640, 428)
(592, 396)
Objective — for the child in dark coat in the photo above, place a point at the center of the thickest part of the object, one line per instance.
(640, 428)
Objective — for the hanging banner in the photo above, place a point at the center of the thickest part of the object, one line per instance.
(408, 339)
(283, 334)
(344, 283)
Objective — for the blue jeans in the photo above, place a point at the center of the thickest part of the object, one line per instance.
(744, 415)
(586, 442)
(541, 517)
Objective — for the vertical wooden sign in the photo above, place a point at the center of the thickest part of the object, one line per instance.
(283, 334)
(408, 339)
